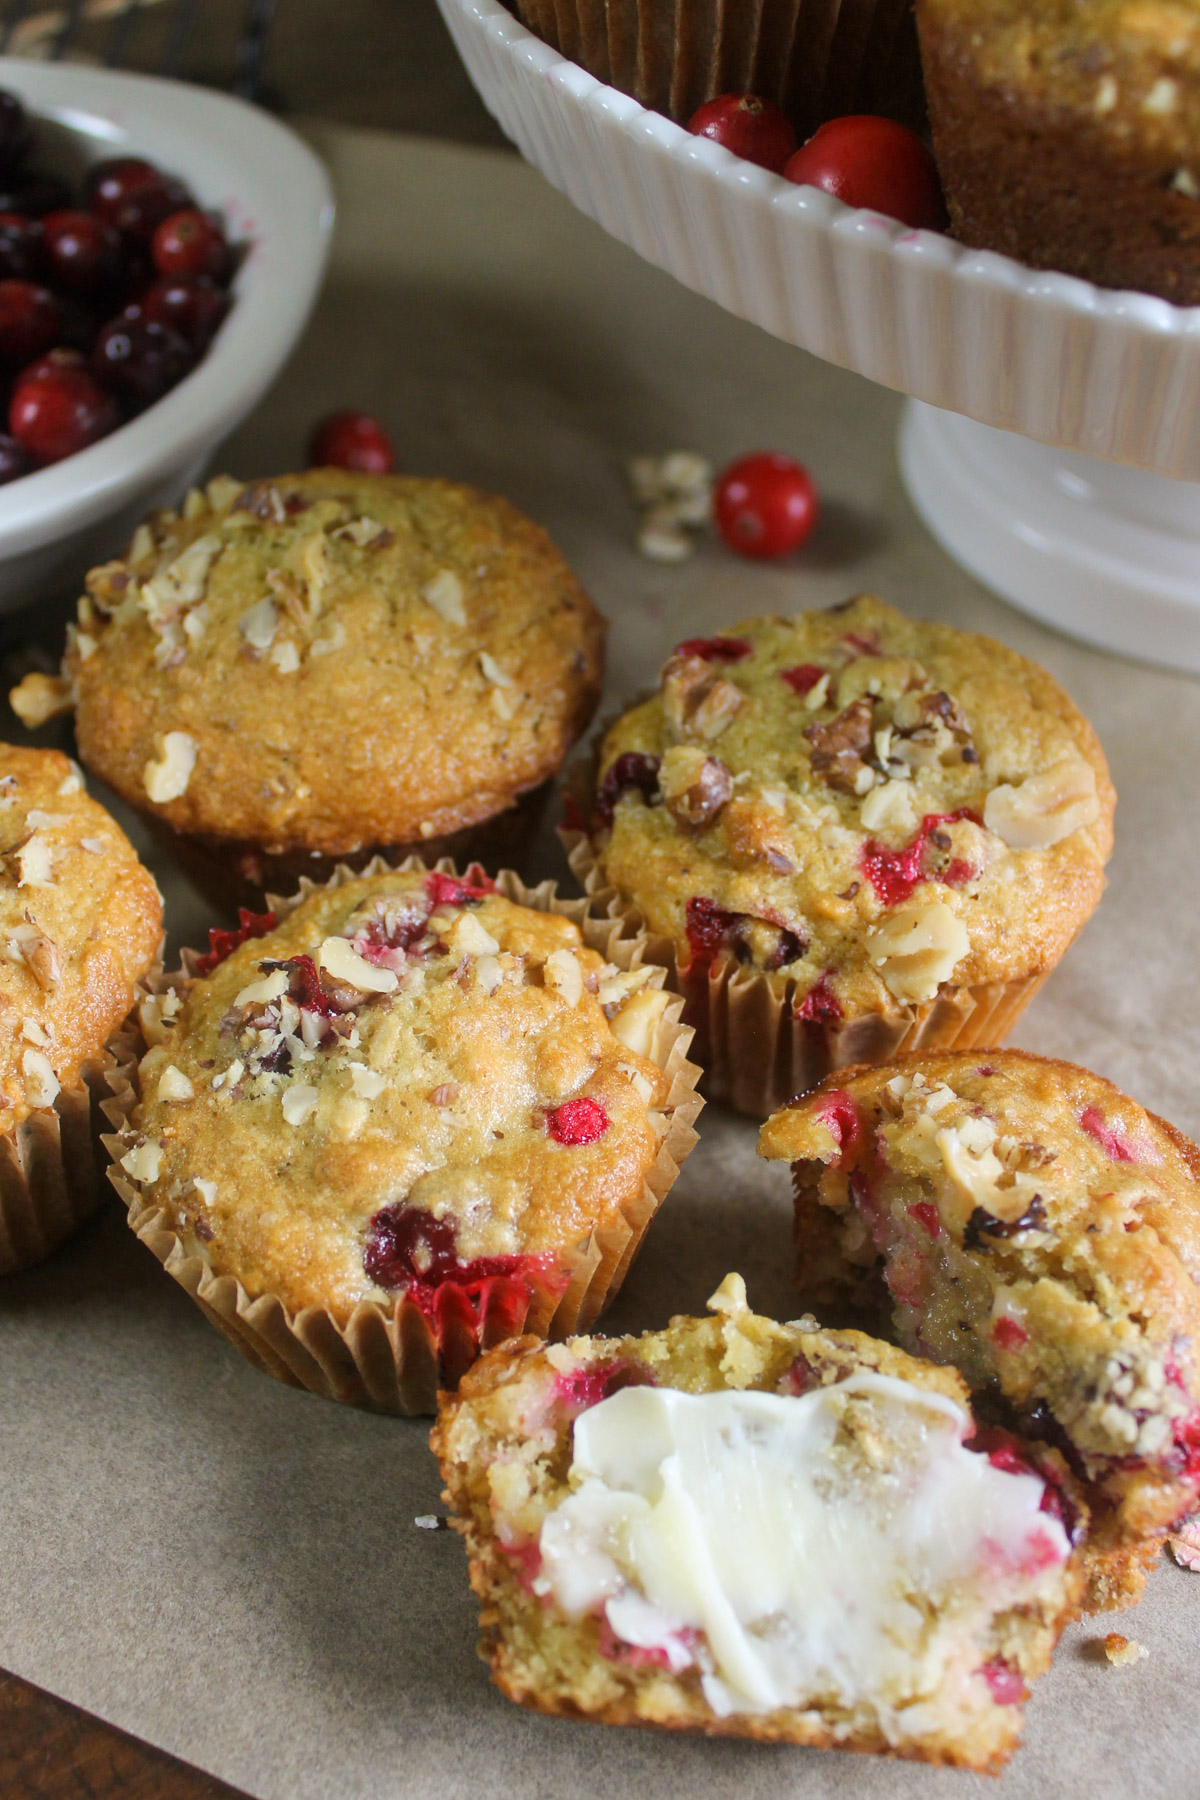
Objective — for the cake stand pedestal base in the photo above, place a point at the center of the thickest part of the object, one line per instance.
(1102, 552)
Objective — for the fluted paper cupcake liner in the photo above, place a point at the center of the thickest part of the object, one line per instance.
(756, 1052)
(393, 1357)
(815, 58)
(49, 1175)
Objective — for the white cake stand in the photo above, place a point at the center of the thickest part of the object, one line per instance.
(1052, 442)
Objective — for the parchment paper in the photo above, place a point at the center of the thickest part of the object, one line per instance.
(231, 1569)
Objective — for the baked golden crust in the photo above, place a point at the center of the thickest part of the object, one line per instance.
(332, 660)
(504, 1445)
(1041, 1232)
(80, 923)
(410, 1080)
(863, 808)
(1066, 135)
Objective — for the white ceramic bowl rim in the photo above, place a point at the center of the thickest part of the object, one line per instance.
(982, 266)
(282, 189)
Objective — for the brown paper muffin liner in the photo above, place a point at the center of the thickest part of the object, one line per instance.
(49, 1170)
(394, 1358)
(757, 1055)
(817, 59)
(232, 872)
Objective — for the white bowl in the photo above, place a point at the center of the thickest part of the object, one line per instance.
(275, 197)
(1111, 374)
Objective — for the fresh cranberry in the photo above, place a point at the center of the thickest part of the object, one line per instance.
(190, 243)
(22, 250)
(765, 504)
(577, 1122)
(34, 195)
(927, 1216)
(13, 461)
(62, 412)
(803, 678)
(633, 771)
(581, 1388)
(1006, 1683)
(866, 161)
(840, 1117)
(53, 363)
(29, 320)
(820, 1005)
(716, 649)
(450, 890)
(16, 133)
(139, 360)
(408, 1248)
(191, 305)
(755, 129)
(83, 252)
(351, 440)
(709, 929)
(131, 194)
(223, 943)
(1113, 1145)
(893, 874)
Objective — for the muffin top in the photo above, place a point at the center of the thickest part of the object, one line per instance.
(857, 804)
(1038, 1230)
(1127, 71)
(410, 1079)
(331, 660)
(80, 922)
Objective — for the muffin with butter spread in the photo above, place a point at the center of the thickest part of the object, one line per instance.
(321, 664)
(846, 834)
(80, 925)
(414, 1113)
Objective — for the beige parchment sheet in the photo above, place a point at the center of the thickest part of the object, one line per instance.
(231, 1569)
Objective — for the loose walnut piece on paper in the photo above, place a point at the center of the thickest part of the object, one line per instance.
(917, 948)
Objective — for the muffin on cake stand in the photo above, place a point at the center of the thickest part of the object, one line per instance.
(1052, 438)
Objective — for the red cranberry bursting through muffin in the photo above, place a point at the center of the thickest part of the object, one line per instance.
(846, 835)
(402, 1117)
(759, 1530)
(1024, 1221)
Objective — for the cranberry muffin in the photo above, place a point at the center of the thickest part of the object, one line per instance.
(758, 1530)
(1067, 134)
(80, 924)
(320, 664)
(1023, 1220)
(413, 1114)
(847, 834)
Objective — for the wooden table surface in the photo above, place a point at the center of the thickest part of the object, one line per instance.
(360, 62)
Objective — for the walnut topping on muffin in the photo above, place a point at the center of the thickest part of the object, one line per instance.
(904, 806)
(214, 667)
(409, 1081)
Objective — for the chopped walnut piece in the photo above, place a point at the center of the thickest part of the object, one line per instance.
(40, 955)
(445, 595)
(41, 1083)
(917, 948)
(840, 749)
(694, 785)
(259, 625)
(562, 973)
(342, 961)
(40, 698)
(1045, 808)
(697, 701)
(639, 1018)
(167, 776)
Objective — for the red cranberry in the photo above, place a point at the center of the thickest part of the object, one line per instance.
(927, 1216)
(709, 929)
(1006, 1683)
(803, 678)
(22, 252)
(192, 305)
(1110, 1141)
(62, 412)
(34, 195)
(893, 874)
(224, 943)
(29, 320)
(13, 460)
(820, 1005)
(53, 363)
(765, 504)
(16, 133)
(450, 890)
(83, 252)
(754, 129)
(132, 195)
(408, 1248)
(190, 243)
(840, 1117)
(872, 162)
(583, 1387)
(633, 769)
(577, 1122)
(139, 360)
(351, 440)
(716, 649)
